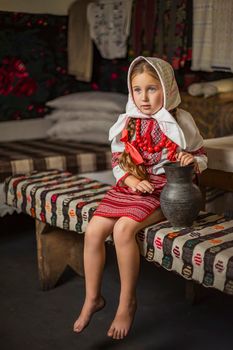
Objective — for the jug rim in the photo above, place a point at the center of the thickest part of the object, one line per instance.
(177, 165)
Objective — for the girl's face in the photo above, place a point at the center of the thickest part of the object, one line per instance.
(147, 93)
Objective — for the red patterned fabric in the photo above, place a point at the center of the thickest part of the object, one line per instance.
(122, 201)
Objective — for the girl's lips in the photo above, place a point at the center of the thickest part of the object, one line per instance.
(146, 106)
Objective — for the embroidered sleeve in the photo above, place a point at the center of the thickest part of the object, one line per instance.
(118, 172)
(115, 158)
(199, 152)
(201, 158)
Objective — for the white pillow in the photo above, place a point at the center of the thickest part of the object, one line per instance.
(82, 128)
(63, 114)
(92, 100)
(91, 137)
(211, 88)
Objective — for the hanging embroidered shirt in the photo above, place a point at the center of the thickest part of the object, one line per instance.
(109, 22)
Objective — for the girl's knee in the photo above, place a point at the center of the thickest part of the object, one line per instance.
(95, 233)
(123, 232)
(93, 236)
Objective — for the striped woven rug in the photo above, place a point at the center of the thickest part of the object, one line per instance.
(44, 154)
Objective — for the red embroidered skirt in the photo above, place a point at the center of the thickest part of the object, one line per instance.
(122, 201)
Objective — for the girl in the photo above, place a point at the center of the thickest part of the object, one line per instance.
(151, 133)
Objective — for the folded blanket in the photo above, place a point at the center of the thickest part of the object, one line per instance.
(211, 88)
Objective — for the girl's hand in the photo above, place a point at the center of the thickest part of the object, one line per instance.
(138, 185)
(144, 186)
(186, 158)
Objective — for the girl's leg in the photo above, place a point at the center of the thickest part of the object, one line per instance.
(97, 231)
(128, 258)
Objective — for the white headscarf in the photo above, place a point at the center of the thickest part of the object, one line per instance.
(171, 95)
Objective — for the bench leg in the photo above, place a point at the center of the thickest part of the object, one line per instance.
(195, 292)
(56, 249)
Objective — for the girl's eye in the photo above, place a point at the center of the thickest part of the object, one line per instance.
(137, 90)
(152, 89)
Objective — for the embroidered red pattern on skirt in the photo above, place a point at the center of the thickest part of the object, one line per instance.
(122, 201)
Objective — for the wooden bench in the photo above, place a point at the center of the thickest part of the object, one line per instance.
(62, 205)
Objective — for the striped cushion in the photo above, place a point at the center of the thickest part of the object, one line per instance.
(56, 197)
(46, 154)
(203, 252)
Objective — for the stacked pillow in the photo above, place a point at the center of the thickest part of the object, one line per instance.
(211, 88)
(85, 116)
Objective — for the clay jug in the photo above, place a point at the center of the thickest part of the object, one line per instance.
(180, 198)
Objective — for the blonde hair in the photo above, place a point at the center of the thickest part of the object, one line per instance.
(143, 67)
(125, 161)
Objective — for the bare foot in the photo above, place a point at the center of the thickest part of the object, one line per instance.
(122, 322)
(89, 308)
